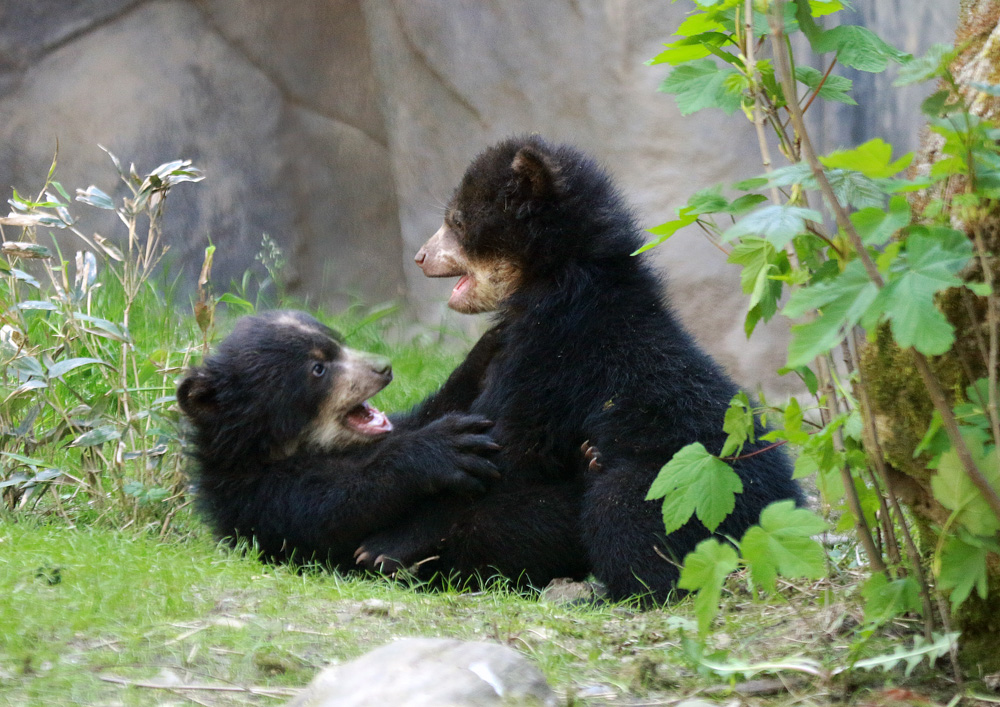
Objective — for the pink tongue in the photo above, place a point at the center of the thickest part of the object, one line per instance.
(369, 420)
(461, 285)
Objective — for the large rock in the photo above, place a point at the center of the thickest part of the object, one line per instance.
(340, 127)
(457, 77)
(154, 81)
(431, 672)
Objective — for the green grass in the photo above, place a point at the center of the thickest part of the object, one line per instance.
(84, 603)
(109, 585)
(94, 616)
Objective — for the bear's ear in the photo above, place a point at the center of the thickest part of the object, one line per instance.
(537, 170)
(196, 394)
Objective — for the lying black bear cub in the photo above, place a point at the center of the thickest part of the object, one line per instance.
(290, 454)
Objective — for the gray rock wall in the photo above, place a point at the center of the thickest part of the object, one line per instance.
(275, 101)
(340, 127)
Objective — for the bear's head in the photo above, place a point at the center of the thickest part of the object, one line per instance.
(525, 210)
(282, 381)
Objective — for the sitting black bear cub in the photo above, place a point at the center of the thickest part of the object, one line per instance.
(584, 350)
(290, 454)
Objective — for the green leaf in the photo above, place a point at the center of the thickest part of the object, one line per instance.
(230, 298)
(738, 425)
(793, 423)
(876, 227)
(752, 184)
(689, 49)
(702, 84)
(708, 201)
(757, 257)
(855, 46)
(694, 481)
(37, 305)
(95, 197)
(782, 544)
(851, 188)
(776, 223)
(933, 256)
(698, 23)
(935, 439)
(962, 566)
(936, 103)
(885, 600)
(665, 230)
(744, 203)
(818, 8)
(931, 65)
(841, 303)
(760, 260)
(96, 436)
(872, 159)
(104, 328)
(705, 570)
(911, 656)
(59, 188)
(835, 88)
(30, 461)
(956, 492)
(61, 368)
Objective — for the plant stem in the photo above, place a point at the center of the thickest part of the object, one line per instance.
(993, 320)
(875, 455)
(784, 74)
(758, 109)
(940, 401)
(860, 523)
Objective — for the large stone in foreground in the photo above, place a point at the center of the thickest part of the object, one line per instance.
(431, 672)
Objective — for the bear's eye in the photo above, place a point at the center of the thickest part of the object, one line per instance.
(456, 221)
(319, 369)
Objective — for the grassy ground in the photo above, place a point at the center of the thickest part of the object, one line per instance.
(97, 616)
(99, 609)
(106, 600)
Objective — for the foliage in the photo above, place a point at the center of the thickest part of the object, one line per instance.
(88, 356)
(833, 243)
(91, 346)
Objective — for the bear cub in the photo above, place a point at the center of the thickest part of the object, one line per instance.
(290, 455)
(585, 352)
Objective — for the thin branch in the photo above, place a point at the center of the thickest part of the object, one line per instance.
(819, 86)
(768, 448)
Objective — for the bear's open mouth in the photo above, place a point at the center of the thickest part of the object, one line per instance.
(367, 419)
(461, 288)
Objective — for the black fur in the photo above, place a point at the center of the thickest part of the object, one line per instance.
(260, 474)
(586, 348)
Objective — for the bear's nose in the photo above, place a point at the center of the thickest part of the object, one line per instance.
(381, 366)
(420, 257)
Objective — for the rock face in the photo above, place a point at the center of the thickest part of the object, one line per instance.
(431, 672)
(275, 102)
(340, 127)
